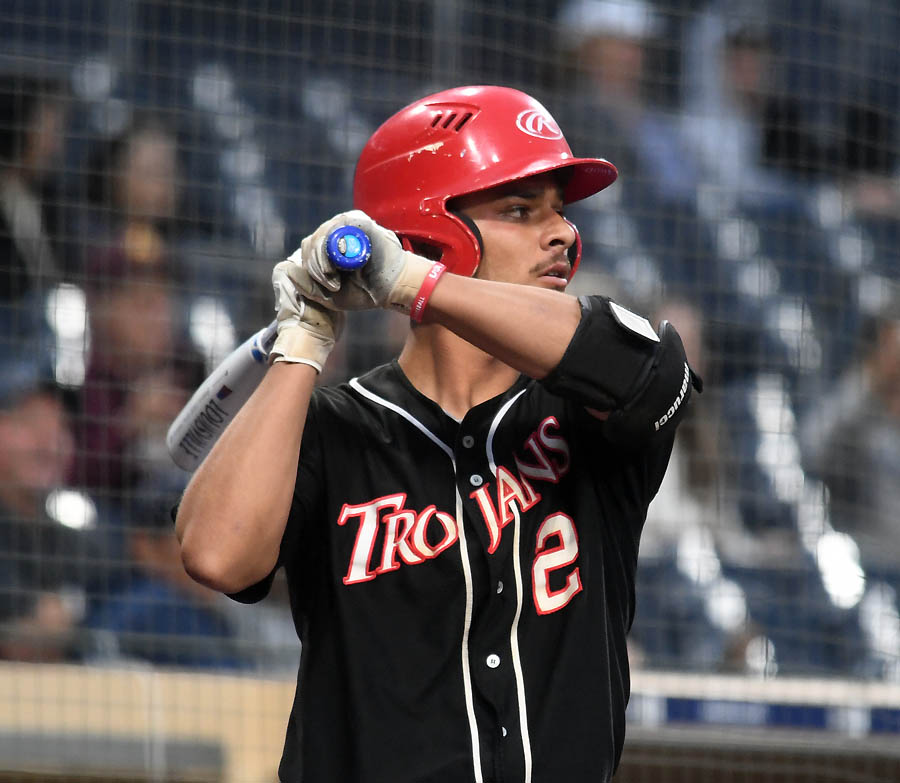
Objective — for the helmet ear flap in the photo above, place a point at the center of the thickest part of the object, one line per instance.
(453, 239)
(574, 251)
(470, 224)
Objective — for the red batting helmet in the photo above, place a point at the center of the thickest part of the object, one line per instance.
(457, 142)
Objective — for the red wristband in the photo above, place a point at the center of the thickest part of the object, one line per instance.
(417, 311)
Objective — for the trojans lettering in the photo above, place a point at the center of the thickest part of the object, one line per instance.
(541, 441)
(407, 533)
(543, 468)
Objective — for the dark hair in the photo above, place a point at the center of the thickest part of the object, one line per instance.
(107, 156)
(20, 98)
(870, 140)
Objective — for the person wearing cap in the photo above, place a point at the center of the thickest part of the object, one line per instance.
(140, 369)
(608, 39)
(33, 116)
(459, 527)
(610, 94)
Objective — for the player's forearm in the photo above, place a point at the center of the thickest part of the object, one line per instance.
(526, 327)
(232, 517)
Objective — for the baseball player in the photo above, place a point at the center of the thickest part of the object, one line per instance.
(459, 528)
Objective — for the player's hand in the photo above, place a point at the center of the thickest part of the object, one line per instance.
(307, 331)
(391, 278)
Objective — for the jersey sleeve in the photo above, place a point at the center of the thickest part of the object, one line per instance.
(307, 495)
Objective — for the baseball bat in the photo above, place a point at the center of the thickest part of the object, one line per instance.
(218, 399)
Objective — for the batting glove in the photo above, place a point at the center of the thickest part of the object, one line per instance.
(306, 331)
(391, 279)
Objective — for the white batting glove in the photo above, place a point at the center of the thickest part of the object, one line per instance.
(307, 331)
(391, 278)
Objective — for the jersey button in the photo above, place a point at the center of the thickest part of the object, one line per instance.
(475, 480)
(468, 441)
(499, 586)
(493, 661)
(503, 730)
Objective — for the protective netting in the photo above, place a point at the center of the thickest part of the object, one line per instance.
(156, 159)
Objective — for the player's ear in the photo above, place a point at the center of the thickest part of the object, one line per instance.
(574, 251)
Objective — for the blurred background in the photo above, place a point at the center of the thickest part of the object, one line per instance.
(157, 158)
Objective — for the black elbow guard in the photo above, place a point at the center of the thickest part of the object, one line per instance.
(659, 396)
(617, 363)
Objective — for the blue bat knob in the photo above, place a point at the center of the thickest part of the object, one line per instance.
(348, 248)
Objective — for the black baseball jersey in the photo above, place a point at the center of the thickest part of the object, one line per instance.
(461, 589)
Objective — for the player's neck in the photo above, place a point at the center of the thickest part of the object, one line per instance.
(451, 371)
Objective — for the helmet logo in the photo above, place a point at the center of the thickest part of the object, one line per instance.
(535, 123)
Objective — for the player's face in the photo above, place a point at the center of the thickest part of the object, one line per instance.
(525, 235)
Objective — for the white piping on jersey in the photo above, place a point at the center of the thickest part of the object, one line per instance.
(467, 624)
(517, 571)
(493, 429)
(514, 644)
(466, 567)
(354, 383)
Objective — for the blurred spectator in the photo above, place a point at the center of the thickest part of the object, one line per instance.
(49, 549)
(842, 72)
(136, 201)
(157, 613)
(141, 368)
(716, 592)
(851, 440)
(772, 263)
(133, 180)
(740, 132)
(607, 43)
(33, 116)
(607, 40)
(689, 614)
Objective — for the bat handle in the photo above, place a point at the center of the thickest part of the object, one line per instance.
(348, 248)
(262, 342)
